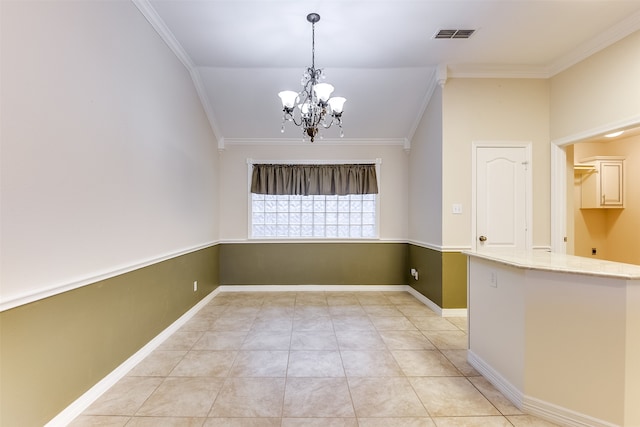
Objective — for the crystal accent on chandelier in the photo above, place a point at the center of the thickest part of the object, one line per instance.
(315, 106)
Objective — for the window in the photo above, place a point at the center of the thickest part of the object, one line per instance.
(342, 217)
(293, 201)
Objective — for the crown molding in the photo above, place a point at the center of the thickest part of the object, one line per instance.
(614, 34)
(206, 105)
(629, 25)
(439, 75)
(497, 71)
(433, 82)
(163, 31)
(167, 36)
(326, 141)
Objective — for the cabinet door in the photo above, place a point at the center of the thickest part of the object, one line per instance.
(611, 184)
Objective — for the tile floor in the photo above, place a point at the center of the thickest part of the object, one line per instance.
(330, 359)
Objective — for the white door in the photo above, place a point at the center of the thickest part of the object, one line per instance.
(502, 197)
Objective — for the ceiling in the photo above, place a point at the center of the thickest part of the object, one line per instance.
(379, 54)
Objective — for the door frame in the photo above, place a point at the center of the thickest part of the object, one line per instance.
(559, 176)
(559, 197)
(475, 145)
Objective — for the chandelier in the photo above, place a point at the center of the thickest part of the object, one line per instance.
(315, 107)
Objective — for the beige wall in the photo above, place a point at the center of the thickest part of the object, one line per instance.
(234, 184)
(614, 232)
(565, 316)
(632, 357)
(600, 92)
(493, 110)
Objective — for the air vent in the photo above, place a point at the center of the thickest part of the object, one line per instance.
(454, 34)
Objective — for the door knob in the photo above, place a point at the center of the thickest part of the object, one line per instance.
(482, 238)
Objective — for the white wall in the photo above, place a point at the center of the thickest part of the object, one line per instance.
(108, 160)
(493, 110)
(498, 318)
(425, 176)
(234, 185)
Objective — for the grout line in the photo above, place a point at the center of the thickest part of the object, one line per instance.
(323, 296)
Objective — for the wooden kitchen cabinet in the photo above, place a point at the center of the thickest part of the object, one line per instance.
(602, 182)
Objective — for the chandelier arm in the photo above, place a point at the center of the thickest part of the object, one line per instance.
(292, 118)
(327, 126)
(334, 121)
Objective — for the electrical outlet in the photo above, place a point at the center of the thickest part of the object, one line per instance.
(195, 286)
(594, 251)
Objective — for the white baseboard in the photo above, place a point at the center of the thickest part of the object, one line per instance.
(83, 402)
(426, 301)
(454, 312)
(509, 391)
(442, 312)
(312, 288)
(560, 415)
(545, 410)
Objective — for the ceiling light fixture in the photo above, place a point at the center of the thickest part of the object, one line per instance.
(314, 102)
(614, 134)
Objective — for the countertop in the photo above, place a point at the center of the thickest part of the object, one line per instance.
(550, 261)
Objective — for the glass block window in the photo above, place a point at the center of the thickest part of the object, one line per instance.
(325, 217)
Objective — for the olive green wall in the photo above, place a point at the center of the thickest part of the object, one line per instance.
(428, 262)
(442, 276)
(454, 282)
(313, 264)
(55, 349)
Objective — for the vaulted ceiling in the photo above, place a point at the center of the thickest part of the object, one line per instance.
(379, 54)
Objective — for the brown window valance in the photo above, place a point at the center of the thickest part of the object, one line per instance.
(314, 179)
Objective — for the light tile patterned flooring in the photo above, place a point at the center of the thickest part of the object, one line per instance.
(330, 359)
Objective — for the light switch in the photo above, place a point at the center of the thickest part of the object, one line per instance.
(456, 208)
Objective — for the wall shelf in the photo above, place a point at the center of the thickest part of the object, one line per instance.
(583, 168)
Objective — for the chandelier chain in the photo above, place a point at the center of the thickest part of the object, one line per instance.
(313, 45)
